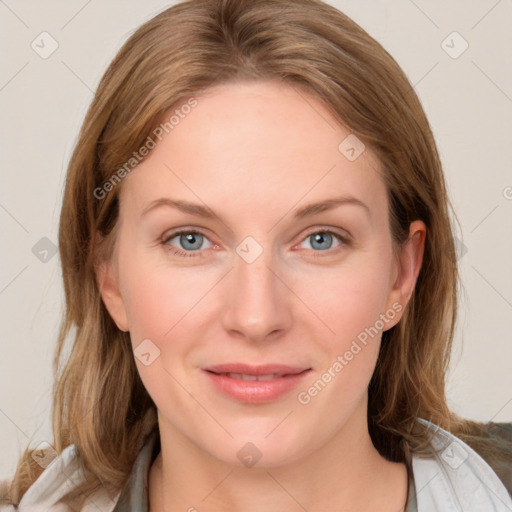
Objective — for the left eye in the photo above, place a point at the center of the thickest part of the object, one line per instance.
(323, 240)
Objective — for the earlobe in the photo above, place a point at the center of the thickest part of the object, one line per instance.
(409, 264)
(107, 282)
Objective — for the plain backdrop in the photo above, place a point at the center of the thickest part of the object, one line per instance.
(467, 96)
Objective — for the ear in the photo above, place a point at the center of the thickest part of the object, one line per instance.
(408, 267)
(107, 280)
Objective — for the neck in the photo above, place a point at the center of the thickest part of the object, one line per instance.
(347, 473)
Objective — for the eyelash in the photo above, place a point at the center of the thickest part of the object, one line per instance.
(199, 254)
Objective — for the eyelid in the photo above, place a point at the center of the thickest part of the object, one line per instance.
(171, 233)
(344, 235)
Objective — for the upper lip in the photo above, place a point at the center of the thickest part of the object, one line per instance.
(266, 369)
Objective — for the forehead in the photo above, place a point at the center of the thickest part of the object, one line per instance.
(248, 145)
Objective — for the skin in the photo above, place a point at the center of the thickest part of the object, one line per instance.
(254, 152)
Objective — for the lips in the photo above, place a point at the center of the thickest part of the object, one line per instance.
(240, 369)
(255, 384)
(259, 378)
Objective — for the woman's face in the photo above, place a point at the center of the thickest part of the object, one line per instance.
(268, 278)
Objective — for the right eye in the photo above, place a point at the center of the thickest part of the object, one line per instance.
(190, 241)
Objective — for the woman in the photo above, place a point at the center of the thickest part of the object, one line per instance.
(260, 281)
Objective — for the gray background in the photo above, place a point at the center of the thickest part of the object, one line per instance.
(468, 100)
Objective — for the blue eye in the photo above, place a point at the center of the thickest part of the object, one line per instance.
(189, 242)
(323, 240)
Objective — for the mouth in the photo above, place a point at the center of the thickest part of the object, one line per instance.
(259, 378)
(255, 384)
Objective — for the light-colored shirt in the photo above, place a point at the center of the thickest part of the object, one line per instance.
(452, 477)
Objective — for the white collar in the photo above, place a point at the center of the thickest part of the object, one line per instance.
(452, 478)
(456, 479)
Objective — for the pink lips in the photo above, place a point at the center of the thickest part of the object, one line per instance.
(237, 381)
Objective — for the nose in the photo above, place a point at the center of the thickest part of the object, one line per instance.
(257, 306)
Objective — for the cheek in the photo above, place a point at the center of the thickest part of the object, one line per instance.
(348, 303)
(159, 296)
(163, 305)
(347, 299)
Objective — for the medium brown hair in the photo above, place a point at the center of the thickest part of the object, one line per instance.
(99, 402)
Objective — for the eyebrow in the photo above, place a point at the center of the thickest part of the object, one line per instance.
(305, 211)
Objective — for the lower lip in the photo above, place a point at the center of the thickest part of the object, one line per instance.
(254, 391)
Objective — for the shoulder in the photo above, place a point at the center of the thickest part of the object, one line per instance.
(501, 462)
(453, 477)
(60, 477)
(65, 473)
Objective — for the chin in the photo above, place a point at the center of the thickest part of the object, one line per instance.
(259, 449)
